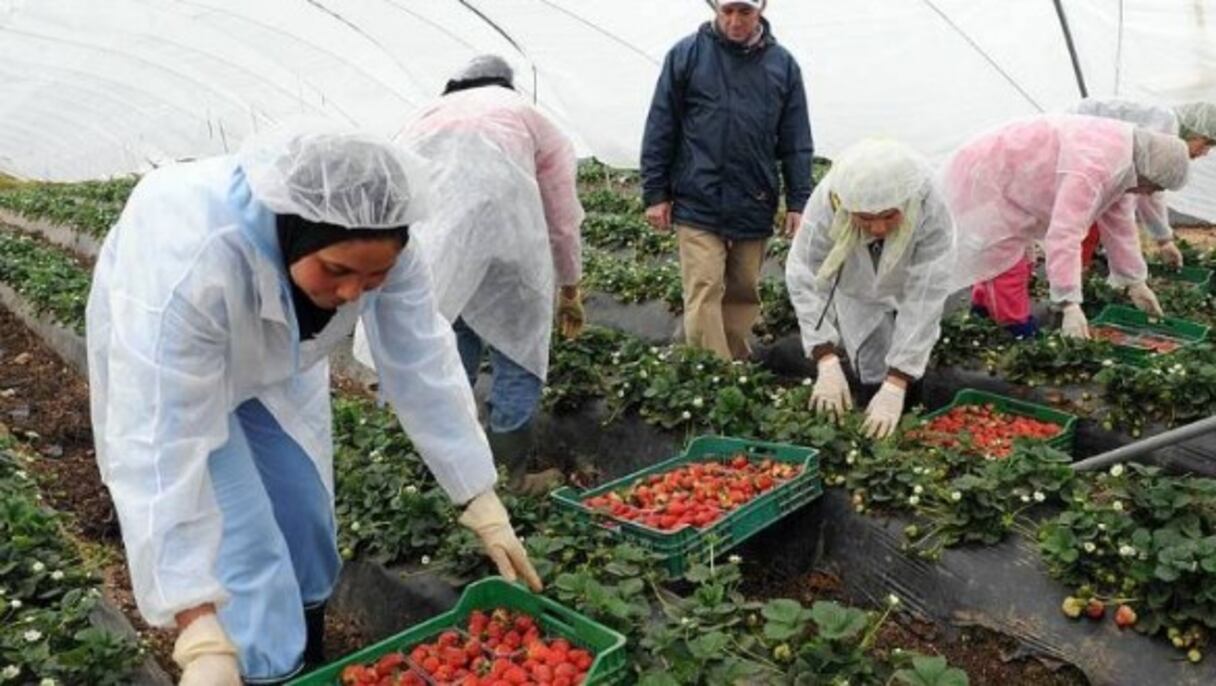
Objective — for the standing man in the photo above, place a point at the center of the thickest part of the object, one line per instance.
(729, 108)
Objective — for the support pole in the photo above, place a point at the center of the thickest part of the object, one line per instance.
(1134, 451)
(1072, 48)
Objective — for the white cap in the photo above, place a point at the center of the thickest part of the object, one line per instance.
(756, 4)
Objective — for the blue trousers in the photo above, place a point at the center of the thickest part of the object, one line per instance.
(514, 391)
(278, 551)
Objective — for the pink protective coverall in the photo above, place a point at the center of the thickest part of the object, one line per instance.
(1049, 179)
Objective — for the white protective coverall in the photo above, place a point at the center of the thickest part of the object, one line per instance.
(195, 367)
(885, 316)
(505, 231)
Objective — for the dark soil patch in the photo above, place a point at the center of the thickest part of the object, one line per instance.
(44, 402)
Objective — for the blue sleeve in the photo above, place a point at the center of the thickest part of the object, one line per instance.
(662, 134)
(794, 145)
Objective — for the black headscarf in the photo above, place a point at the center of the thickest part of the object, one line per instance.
(299, 238)
(456, 85)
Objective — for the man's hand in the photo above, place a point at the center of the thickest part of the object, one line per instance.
(793, 220)
(659, 216)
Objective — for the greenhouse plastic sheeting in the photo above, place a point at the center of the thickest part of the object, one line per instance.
(92, 89)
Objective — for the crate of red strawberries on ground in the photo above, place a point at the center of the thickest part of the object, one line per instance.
(704, 502)
(1137, 336)
(498, 633)
(989, 424)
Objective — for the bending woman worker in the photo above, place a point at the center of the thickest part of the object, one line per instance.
(215, 302)
(867, 276)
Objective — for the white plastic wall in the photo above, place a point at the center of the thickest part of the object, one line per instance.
(91, 88)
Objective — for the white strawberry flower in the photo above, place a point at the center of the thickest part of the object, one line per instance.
(1117, 470)
(57, 575)
(956, 496)
(32, 636)
(697, 402)
(10, 672)
(1089, 546)
(914, 500)
(38, 567)
(686, 415)
(918, 489)
(1039, 497)
(1117, 506)
(1127, 551)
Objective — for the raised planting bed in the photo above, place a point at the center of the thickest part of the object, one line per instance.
(498, 630)
(728, 490)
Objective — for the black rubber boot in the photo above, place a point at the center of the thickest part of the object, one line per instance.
(512, 449)
(314, 646)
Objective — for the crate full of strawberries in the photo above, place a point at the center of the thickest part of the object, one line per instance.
(989, 425)
(703, 502)
(498, 633)
(1138, 337)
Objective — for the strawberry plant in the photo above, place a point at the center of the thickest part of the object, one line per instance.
(53, 282)
(1145, 539)
(90, 206)
(609, 201)
(1056, 360)
(625, 231)
(777, 315)
(968, 340)
(578, 369)
(1172, 390)
(47, 595)
(633, 281)
(686, 388)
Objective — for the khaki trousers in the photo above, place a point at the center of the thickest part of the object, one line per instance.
(721, 281)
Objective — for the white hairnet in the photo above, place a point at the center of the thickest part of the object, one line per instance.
(1197, 119)
(875, 175)
(1152, 117)
(347, 179)
(486, 67)
(1161, 159)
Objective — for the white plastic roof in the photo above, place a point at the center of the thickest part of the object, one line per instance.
(91, 89)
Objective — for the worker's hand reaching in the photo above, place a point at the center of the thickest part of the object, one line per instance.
(205, 654)
(570, 314)
(1170, 253)
(885, 409)
(1143, 298)
(831, 394)
(486, 516)
(1075, 325)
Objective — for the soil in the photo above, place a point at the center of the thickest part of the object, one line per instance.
(988, 658)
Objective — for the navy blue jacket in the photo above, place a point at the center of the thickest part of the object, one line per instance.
(723, 118)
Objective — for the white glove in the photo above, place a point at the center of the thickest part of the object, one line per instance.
(486, 516)
(831, 394)
(205, 654)
(1170, 253)
(882, 416)
(1143, 297)
(1075, 324)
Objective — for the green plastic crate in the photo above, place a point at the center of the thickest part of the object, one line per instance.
(1196, 276)
(610, 667)
(682, 548)
(1135, 322)
(1067, 422)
